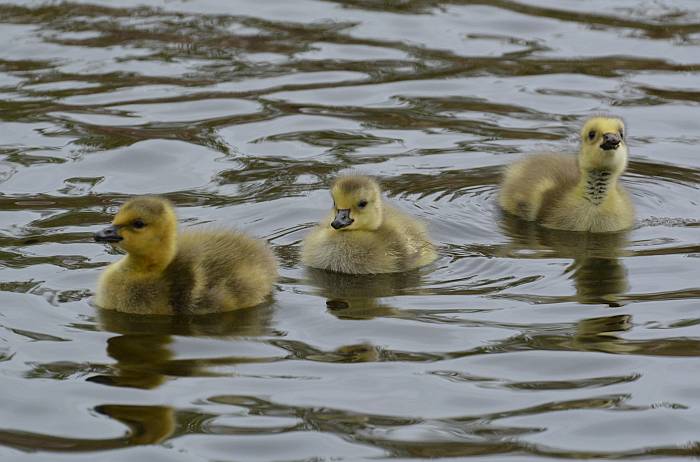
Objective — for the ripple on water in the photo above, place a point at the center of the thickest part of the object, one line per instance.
(517, 343)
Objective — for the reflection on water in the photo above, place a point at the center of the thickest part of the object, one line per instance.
(141, 361)
(146, 425)
(143, 354)
(517, 343)
(598, 274)
(237, 323)
(350, 296)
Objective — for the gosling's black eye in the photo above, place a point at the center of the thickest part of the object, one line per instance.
(591, 135)
(138, 224)
(362, 204)
(622, 135)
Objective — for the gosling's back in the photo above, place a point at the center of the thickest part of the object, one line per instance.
(532, 186)
(239, 271)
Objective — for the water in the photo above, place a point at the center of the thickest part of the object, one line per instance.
(517, 344)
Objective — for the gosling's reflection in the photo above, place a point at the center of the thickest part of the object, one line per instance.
(598, 274)
(601, 334)
(605, 334)
(143, 353)
(352, 296)
(238, 323)
(146, 425)
(141, 361)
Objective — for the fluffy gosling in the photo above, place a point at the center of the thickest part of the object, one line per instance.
(195, 272)
(363, 235)
(574, 194)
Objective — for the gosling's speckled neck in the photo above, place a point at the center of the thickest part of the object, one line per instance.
(595, 185)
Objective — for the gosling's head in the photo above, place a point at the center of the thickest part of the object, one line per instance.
(144, 227)
(357, 202)
(603, 144)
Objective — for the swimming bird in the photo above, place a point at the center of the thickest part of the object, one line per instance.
(364, 235)
(574, 193)
(195, 272)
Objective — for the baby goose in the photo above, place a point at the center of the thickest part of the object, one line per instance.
(365, 235)
(195, 272)
(583, 194)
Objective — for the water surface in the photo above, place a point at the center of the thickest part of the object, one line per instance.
(517, 344)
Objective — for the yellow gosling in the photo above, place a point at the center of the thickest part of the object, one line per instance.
(196, 272)
(363, 235)
(575, 194)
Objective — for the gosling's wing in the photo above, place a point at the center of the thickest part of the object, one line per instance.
(408, 240)
(531, 185)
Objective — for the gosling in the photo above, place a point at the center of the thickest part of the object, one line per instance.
(196, 272)
(584, 194)
(363, 235)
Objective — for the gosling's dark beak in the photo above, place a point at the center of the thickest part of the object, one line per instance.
(342, 219)
(610, 141)
(109, 234)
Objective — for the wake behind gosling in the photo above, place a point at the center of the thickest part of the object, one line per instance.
(194, 272)
(364, 235)
(580, 193)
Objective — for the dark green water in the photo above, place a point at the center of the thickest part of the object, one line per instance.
(518, 344)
